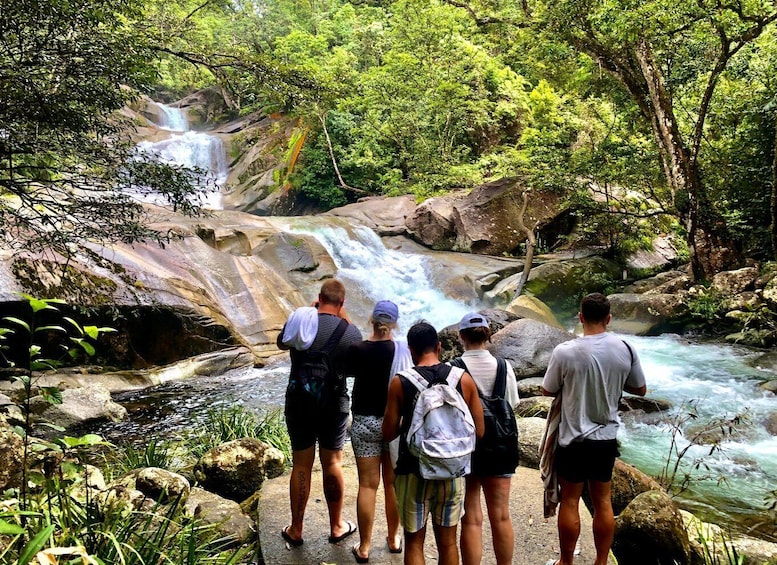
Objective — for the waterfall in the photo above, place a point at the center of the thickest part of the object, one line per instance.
(371, 273)
(190, 149)
(174, 118)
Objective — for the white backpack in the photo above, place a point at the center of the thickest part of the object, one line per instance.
(441, 432)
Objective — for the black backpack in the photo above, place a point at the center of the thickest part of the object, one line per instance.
(312, 371)
(496, 452)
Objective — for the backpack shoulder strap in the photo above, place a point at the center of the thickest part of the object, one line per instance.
(631, 351)
(458, 362)
(500, 385)
(454, 376)
(415, 379)
(336, 336)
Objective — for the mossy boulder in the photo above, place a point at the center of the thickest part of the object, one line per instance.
(237, 469)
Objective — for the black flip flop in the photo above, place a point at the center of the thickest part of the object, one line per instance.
(349, 532)
(359, 558)
(394, 549)
(290, 540)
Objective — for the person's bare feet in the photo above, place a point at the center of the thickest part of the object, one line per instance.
(397, 546)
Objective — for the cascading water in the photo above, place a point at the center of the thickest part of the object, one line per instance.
(376, 273)
(174, 119)
(190, 149)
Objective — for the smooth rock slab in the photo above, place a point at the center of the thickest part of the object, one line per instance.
(225, 515)
(91, 403)
(527, 345)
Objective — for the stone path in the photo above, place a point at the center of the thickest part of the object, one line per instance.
(535, 538)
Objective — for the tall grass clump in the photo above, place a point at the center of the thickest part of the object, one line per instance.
(228, 424)
(156, 453)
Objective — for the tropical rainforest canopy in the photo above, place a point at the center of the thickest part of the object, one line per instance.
(648, 116)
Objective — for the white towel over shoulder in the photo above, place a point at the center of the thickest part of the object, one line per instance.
(301, 328)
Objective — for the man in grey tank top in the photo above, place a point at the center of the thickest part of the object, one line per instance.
(590, 374)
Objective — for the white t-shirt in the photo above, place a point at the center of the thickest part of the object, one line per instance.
(482, 366)
(590, 372)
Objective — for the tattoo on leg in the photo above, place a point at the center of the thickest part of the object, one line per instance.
(333, 492)
(300, 503)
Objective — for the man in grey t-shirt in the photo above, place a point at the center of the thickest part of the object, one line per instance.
(590, 373)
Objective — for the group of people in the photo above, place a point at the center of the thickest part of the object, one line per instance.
(440, 434)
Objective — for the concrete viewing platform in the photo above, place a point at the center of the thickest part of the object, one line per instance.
(536, 539)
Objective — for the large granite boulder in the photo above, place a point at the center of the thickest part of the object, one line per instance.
(534, 407)
(662, 255)
(644, 314)
(657, 281)
(204, 107)
(530, 432)
(11, 456)
(556, 281)
(224, 515)
(431, 223)
(384, 215)
(650, 531)
(728, 283)
(237, 469)
(157, 484)
(449, 336)
(483, 221)
(527, 345)
(88, 404)
(628, 482)
(530, 387)
(532, 307)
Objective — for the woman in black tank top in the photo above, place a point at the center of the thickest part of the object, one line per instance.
(370, 363)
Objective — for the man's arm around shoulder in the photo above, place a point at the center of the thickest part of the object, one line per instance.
(470, 393)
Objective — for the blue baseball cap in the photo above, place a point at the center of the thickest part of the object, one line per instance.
(385, 311)
(473, 320)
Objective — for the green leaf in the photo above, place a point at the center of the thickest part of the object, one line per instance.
(37, 305)
(85, 345)
(35, 545)
(18, 322)
(91, 331)
(73, 323)
(83, 441)
(43, 364)
(51, 394)
(50, 329)
(8, 529)
(51, 426)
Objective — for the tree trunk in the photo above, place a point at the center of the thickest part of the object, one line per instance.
(531, 244)
(709, 243)
(773, 226)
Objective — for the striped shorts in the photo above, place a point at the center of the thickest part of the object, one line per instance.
(417, 497)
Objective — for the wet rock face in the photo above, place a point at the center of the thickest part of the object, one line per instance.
(644, 314)
(650, 531)
(383, 215)
(556, 282)
(237, 469)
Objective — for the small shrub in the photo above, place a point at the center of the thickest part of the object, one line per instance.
(221, 426)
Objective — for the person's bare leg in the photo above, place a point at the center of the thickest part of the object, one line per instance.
(299, 488)
(414, 547)
(497, 493)
(332, 467)
(569, 520)
(604, 520)
(472, 524)
(448, 550)
(369, 479)
(392, 511)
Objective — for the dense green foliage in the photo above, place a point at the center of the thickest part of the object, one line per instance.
(429, 96)
(649, 118)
